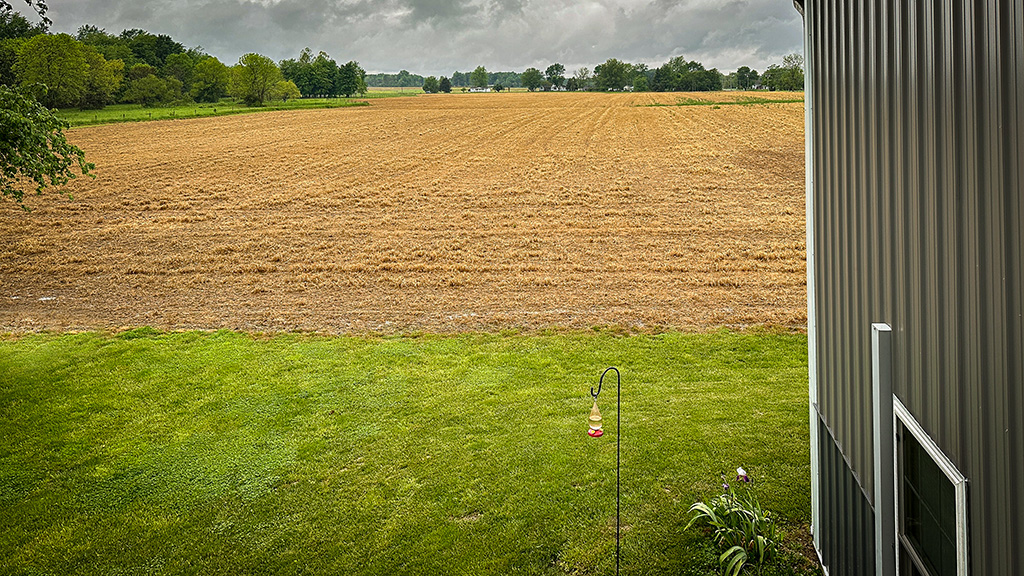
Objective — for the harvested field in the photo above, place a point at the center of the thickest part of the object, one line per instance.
(439, 213)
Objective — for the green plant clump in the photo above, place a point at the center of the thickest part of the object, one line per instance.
(740, 526)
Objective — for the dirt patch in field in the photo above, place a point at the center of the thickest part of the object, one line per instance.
(439, 213)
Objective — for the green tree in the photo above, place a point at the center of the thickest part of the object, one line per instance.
(149, 91)
(39, 6)
(325, 77)
(555, 74)
(583, 78)
(498, 87)
(139, 71)
(253, 78)
(478, 78)
(14, 25)
(9, 50)
(431, 85)
(351, 79)
(286, 90)
(789, 76)
(210, 80)
(151, 48)
(745, 78)
(33, 147)
(110, 46)
(57, 62)
(612, 75)
(445, 85)
(640, 84)
(531, 79)
(180, 66)
(102, 80)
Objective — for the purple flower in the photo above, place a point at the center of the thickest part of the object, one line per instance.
(741, 474)
(725, 487)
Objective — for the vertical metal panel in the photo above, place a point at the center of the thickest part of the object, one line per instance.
(918, 208)
(847, 529)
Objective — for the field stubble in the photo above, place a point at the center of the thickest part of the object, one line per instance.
(439, 213)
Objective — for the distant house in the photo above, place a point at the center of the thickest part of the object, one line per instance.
(915, 255)
(476, 89)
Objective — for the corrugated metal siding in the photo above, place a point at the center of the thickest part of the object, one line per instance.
(847, 525)
(918, 215)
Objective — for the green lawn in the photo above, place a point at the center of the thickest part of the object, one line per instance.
(136, 113)
(225, 453)
(742, 101)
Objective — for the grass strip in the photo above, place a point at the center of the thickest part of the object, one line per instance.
(747, 101)
(122, 113)
(227, 453)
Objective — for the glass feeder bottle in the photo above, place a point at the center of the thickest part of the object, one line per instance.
(595, 421)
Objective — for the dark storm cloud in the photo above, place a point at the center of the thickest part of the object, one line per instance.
(439, 36)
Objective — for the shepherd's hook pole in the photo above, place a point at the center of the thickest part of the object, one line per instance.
(618, 452)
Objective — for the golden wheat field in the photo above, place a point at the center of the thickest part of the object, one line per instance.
(438, 213)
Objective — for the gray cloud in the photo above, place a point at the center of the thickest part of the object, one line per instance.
(439, 36)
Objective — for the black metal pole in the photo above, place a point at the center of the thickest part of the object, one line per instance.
(618, 461)
(618, 454)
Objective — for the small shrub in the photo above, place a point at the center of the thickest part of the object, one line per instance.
(740, 527)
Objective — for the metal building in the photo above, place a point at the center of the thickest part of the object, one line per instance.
(915, 212)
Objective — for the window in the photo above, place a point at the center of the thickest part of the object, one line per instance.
(932, 504)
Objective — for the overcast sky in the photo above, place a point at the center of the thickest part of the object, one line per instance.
(440, 36)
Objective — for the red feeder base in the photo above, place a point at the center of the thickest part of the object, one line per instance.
(595, 433)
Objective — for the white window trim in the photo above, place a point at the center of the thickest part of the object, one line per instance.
(958, 480)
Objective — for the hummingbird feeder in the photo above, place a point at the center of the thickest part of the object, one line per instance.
(596, 431)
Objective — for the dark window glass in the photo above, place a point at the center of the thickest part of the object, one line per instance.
(928, 501)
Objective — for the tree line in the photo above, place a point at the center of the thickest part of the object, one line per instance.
(94, 68)
(676, 75)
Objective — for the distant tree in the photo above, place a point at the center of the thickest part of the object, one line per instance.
(431, 85)
(151, 48)
(14, 25)
(324, 77)
(583, 79)
(8, 59)
(743, 78)
(789, 76)
(498, 87)
(39, 6)
(33, 147)
(444, 85)
(460, 79)
(286, 90)
(56, 62)
(102, 79)
(351, 79)
(110, 46)
(612, 75)
(210, 80)
(681, 75)
(572, 84)
(253, 78)
(149, 91)
(182, 67)
(478, 78)
(139, 71)
(640, 84)
(531, 79)
(506, 79)
(555, 74)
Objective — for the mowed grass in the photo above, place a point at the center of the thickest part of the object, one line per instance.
(225, 453)
(137, 113)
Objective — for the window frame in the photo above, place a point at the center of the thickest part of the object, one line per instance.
(903, 416)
